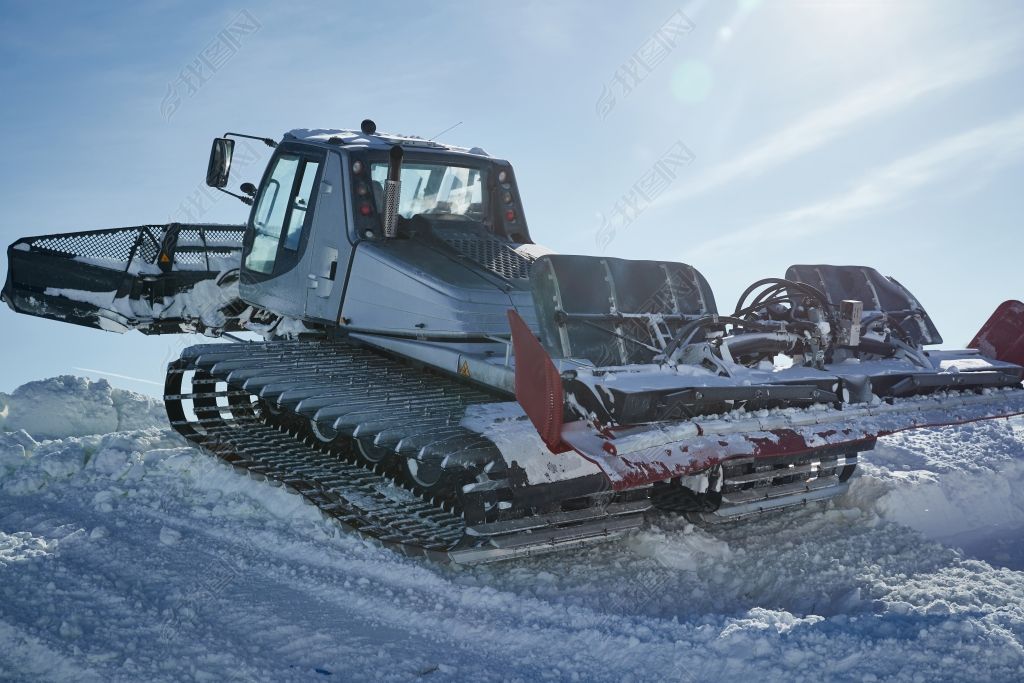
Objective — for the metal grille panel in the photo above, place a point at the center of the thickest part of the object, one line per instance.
(491, 253)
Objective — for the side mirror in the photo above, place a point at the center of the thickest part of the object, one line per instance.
(249, 189)
(220, 162)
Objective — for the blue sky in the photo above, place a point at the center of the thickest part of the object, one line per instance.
(877, 133)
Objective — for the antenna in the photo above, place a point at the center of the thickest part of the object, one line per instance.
(445, 131)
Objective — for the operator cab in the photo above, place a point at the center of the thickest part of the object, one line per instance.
(322, 238)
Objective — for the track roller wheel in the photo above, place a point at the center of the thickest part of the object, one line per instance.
(329, 438)
(381, 459)
(275, 416)
(323, 433)
(429, 478)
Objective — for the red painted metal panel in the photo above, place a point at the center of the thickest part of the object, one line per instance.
(538, 384)
(666, 458)
(1002, 335)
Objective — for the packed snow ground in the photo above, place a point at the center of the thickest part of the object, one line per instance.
(128, 556)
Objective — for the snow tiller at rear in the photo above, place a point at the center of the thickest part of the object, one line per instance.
(729, 415)
(429, 377)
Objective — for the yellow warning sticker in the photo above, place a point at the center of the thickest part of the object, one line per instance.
(464, 368)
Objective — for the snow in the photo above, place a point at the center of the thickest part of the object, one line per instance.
(508, 427)
(139, 266)
(74, 406)
(288, 328)
(378, 140)
(654, 377)
(126, 555)
(204, 302)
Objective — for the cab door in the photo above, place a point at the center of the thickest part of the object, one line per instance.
(279, 231)
(328, 251)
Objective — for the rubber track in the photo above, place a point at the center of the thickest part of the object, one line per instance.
(226, 423)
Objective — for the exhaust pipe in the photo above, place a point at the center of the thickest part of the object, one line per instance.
(392, 191)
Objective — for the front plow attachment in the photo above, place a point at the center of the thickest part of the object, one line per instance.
(156, 279)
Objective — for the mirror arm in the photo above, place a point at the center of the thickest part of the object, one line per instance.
(242, 198)
(269, 142)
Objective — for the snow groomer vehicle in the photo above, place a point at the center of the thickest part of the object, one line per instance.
(403, 355)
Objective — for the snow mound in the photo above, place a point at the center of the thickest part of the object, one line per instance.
(962, 487)
(75, 406)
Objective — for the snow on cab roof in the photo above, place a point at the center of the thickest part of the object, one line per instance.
(354, 138)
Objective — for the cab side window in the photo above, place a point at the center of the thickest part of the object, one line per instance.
(300, 205)
(282, 210)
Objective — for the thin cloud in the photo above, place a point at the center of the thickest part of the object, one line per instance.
(823, 125)
(117, 376)
(980, 151)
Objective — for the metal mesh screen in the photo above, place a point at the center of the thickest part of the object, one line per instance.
(392, 192)
(143, 243)
(196, 243)
(115, 245)
(493, 254)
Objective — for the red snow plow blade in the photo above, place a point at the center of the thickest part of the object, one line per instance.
(538, 385)
(1002, 335)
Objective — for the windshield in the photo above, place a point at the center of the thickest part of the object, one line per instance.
(434, 188)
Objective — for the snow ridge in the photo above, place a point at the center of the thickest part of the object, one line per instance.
(76, 406)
